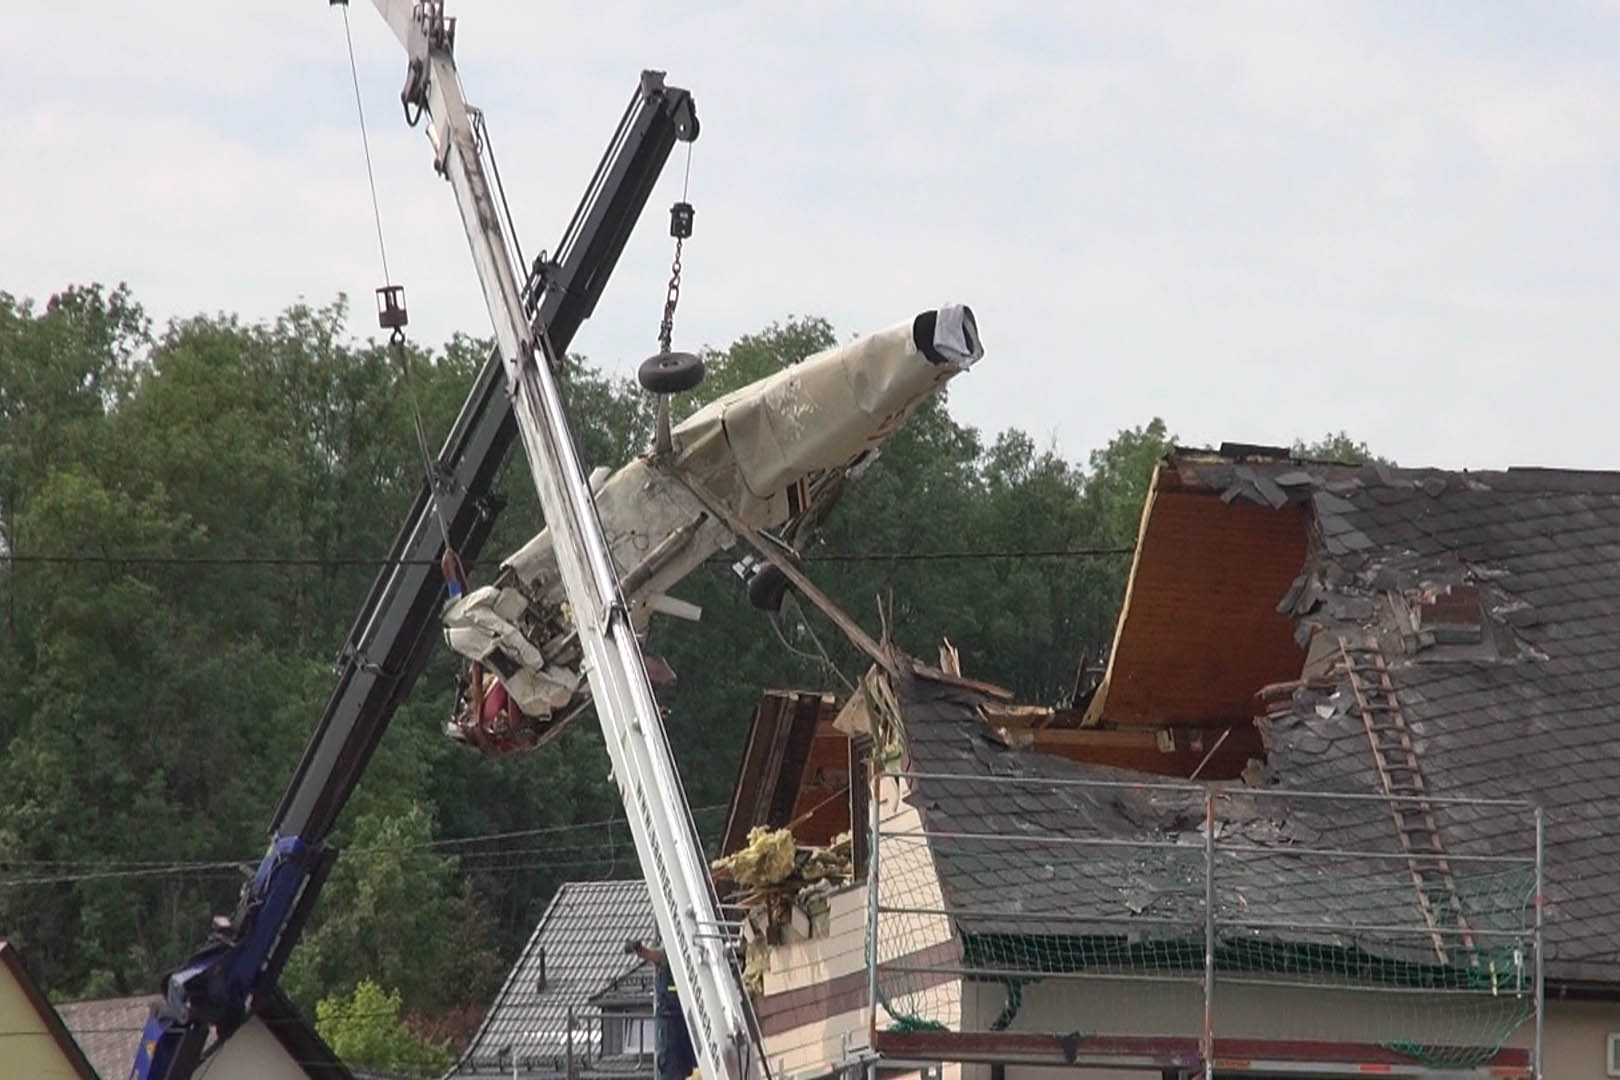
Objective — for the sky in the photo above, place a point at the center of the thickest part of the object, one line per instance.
(1254, 220)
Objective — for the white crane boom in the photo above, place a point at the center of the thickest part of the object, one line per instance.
(667, 844)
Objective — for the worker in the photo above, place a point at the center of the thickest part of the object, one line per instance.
(674, 1058)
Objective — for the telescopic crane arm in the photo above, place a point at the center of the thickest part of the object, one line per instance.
(671, 854)
(235, 975)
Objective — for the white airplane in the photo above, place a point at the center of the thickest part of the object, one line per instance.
(776, 453)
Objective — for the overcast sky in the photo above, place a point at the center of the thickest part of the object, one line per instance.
(1254, 220)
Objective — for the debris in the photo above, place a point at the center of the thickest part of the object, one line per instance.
(782, 885)
(766, 859)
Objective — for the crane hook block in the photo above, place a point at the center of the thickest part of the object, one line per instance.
(680, 220)
(391, 313)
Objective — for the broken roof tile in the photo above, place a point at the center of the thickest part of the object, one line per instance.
(1531, 710)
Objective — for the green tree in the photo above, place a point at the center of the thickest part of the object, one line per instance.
(152, 706)
(1338, 446)
(395, 912)
(365, 1028)
(1119, 478)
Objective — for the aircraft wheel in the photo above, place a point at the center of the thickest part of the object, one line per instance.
(768, 588)
(670, 372)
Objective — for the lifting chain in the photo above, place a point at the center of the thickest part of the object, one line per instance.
(680, 227)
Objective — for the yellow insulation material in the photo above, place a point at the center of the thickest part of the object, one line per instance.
(766, 859)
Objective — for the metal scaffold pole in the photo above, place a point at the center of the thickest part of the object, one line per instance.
(876, 816)
(1207, 1044)
(1541, 989)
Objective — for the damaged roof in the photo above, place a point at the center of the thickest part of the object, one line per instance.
(1492, 599)
(1039, 847)
(576, 952)
(794, 767)
(1491, 603)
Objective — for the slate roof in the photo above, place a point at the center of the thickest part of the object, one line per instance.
(580, 943)
(1493, 599)
(1523, 703)
(108, 1030)
(1038, 876)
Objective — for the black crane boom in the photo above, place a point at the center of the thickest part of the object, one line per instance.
(236, 974)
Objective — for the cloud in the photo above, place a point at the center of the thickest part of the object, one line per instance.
(1255, 219)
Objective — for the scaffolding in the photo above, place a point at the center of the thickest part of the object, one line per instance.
(1204, 931)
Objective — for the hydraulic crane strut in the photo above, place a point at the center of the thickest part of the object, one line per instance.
(233, 979)
(671, 854)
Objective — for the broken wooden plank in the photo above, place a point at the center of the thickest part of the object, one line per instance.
(988, 689)
(999, 714)
(773, 555)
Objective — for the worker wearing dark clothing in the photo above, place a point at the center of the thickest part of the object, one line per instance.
(675, 1059)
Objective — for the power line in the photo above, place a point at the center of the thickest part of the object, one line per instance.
(929, 556)
(240, 868)
(49, 871)
(986, 554)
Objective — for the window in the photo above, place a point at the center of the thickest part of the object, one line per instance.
(636, 1036)
(627, 1034)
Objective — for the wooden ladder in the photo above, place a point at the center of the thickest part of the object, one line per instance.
(1391, 743)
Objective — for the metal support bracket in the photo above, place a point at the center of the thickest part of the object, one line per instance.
(801, 581)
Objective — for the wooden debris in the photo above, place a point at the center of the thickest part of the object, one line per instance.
(1000, 715)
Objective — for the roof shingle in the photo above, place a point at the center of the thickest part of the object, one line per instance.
(579, 944)
(1532, 713)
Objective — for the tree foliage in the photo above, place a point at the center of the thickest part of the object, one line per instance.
(365, 1028)
(1338, 446)
(214, 490)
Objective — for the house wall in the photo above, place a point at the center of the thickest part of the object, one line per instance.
(1576, 1033)
(29, 1048)
(1121, 1007)
(253, 1054)
(814, 1009)
(1576, 1038)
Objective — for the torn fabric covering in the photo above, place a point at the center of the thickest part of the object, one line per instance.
(773, 452)
(825, 411)
(956, 335)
